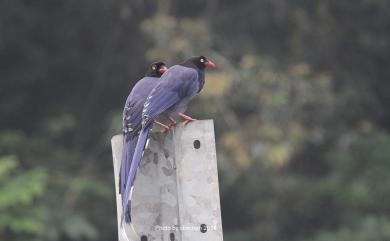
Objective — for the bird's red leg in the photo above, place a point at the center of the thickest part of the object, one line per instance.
(165, 127)
(173, 121)
(186, 118)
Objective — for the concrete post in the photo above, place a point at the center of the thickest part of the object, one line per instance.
(176, 193)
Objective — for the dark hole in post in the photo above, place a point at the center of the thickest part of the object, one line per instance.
(196, 144)
(172, 236)
(203, 228)
(144, 238)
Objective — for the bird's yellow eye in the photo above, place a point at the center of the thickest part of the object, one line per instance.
(201, 60)
(154, 67)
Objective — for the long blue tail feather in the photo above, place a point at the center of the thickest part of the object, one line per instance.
(126, 209)
(127, 156)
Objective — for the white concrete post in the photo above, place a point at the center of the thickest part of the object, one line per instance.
(176, 193)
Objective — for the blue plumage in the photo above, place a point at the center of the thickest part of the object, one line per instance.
(171, 95)
(132, 120)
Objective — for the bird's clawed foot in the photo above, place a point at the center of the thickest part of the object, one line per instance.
(164, 127)
(173, 122)
(186, 118)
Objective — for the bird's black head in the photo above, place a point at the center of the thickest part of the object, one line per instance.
(199, 62)
(156, 69)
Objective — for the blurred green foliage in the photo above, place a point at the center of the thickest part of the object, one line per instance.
(19, 211)
(300, 103)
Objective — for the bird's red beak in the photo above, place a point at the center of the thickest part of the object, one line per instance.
(162, 69)
(210, 64)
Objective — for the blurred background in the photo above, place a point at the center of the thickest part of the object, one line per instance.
(300, 103)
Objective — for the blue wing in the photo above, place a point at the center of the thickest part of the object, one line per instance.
(176, 84)
(131, 118)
